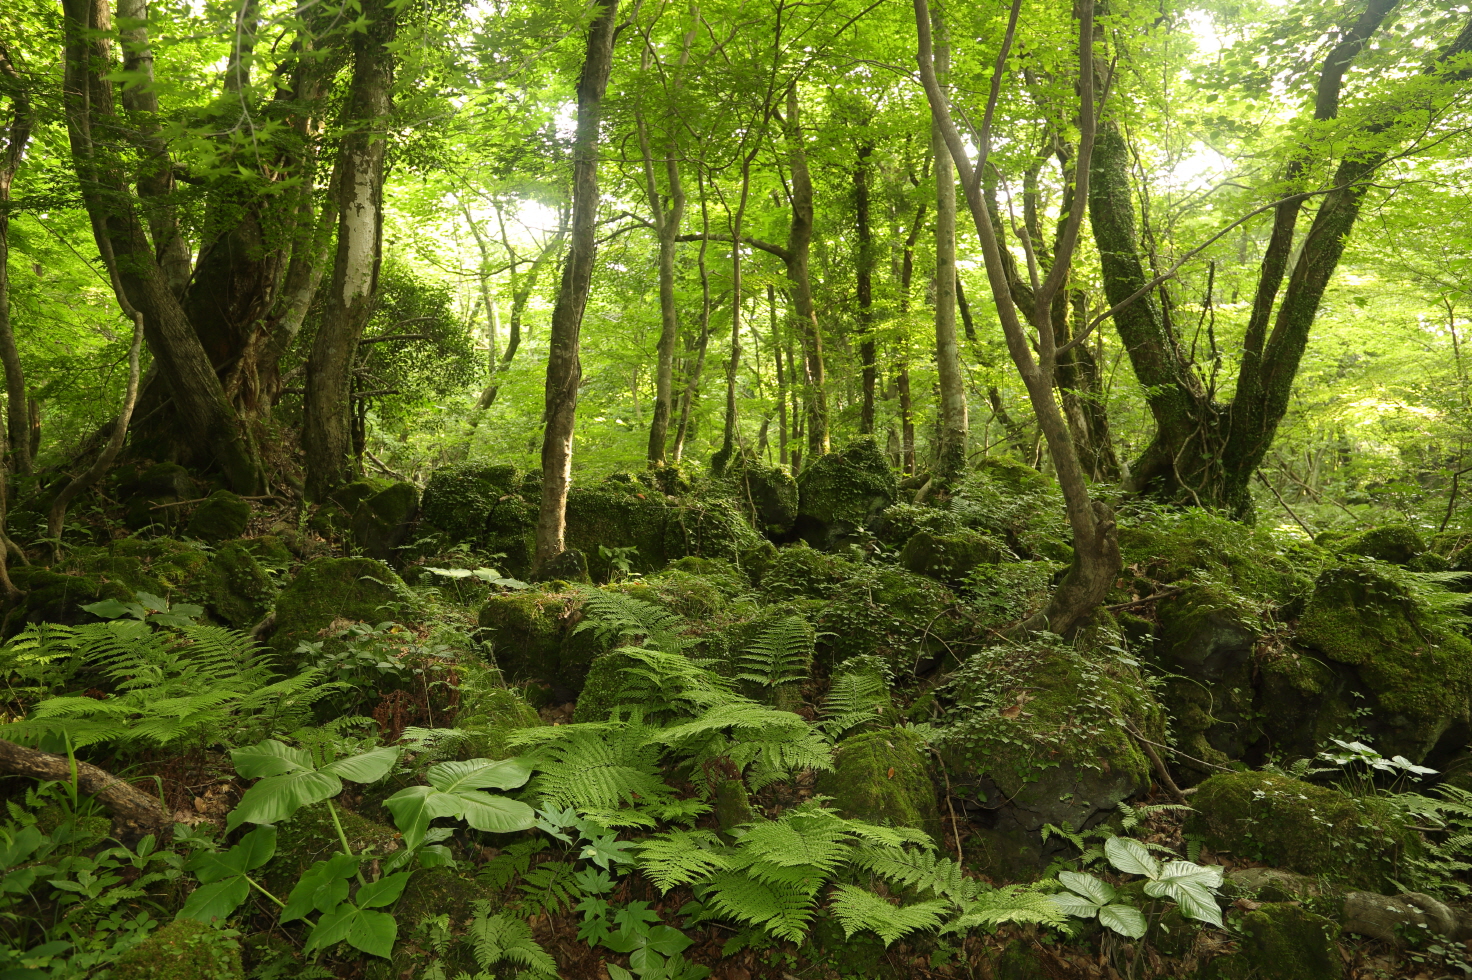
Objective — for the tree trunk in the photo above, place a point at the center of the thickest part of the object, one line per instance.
(781, 376)
(564, 369)
(1082, 390)
(723, 456)
(521, 294)
(135, 813)
(954, 427)
(327, 425)
(864, 285)
(702, 343)
(799, 247)
(17, 135)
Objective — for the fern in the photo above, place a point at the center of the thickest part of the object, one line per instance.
(619, 618)
(681, 857)
(1010, 903)
(497, 939)
(600, 769)
(515, 860)
(762, 742)
(783, 909)
(550, 887)
(857, 909)
(668, 685)
(854, 698)
(781, 654)
(919, 869)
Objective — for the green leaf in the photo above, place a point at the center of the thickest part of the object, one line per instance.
(1195, 900)
(269, 758)
(1123, 919)
(372, 932)
(216, 900)
(415, 806)
(384, 891)
(1196, 875)
(496, 814)
(276, 798)
(1131, 857)
(323, 887)
(113, 609)
(1075, 905)
(369, 767)
(1097, 891)
(252, 851)
(455, 777)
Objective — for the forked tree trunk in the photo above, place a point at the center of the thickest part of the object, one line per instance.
(327, 437)
(564, 368)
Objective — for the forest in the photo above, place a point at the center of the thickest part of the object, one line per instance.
(735, 489)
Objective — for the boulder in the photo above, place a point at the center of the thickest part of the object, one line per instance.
(311, 835)
(460, 500)
(570, 565)
(182, 950)
(840, 493)
(383, 522)
(884, 777)
(897, 524)
(431, 893)
(163, 483)
(240, 593)
(1032, 735)
(336, 590)
(1407, 917)
(1173, 546)
(532, 637)
(334, 517)
(949, 557)
(909, 620)
(1280, 941)
(1313, 830)
(767, 495)
(222, 516)
(54, 597)
(1398, 544)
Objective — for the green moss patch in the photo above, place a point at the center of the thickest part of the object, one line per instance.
(843, 491)
(222, 516)
(182, 950)
(884, 777)
(329, 590)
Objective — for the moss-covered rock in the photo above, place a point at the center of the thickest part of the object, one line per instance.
(1281, 941)
(534, 637)
(1414, 672)
(799, 571)
(182, 950)
(163, 483)
(334, 517)
(949, 557)
(767, 495)
(383, 522)
(901, 522)
(222, 516)
(54, 597)
(1172, 546)
(1314, 830)
(488, 715)
(430, 894)
(1032, 735)
(568, 565)
(911, 621)
(842, 492)
(329, 590)
(310, 836)
(1398, 544)
(1204, 649)
(240, 590)
(460, 500)
(884, 777)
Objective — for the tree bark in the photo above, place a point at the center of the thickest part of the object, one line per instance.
(864, 286)
(564, 369)
(327, 425)
(799, 247)
(17, 136)
(781, 376)
(134, 812)
(954, 424)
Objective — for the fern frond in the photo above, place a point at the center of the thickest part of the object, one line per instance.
(618, 618)
(551, 887)
(854, 698)
(681, 857)
(781, 654)
(857, 909)
(498, 939)
(596, 766)
(784, 910)
(1010, 903)
(921, 870)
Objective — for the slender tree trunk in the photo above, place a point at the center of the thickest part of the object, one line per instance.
(727, 452)
(17, 136)
(564, 368)
(799, 246)
(702, 343)
(782, 377)
(954, 424)
(522, 287)
(327, 436)
(864, 285)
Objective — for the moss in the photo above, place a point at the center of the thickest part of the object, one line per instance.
(182, 950)
(1015, 476)
(909, 620)
(949, 557)
(159, 484)
(53, 597)
(899, 523)
(531, 634)
(489, 715)
(310, 836)
(382, 523)
(733, 805)
(431, 894)
(1018, 961)
(1418, 673)
(331, 589)
(1171, 546)
(884, 777)
(460, 500)
(767, 495)
(569, 565)
(240, 591)
(1314, 830)
(843, 491)
(1281, 941)
(599, 693)
(801, 571)
(221, 516)
(334, 517)
(1395, 543)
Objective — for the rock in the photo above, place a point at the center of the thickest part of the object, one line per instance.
(1281, 941)
(1398, 544)
(565, 566)
(1313, 830)
(1204, 649)
(950, 557)
(884, 777)
(240, 593)
(897, 524)
(1408, 917)
(330, 590)
(1375, 647)
(532, 638)
(840, 493)
(1031, 736)
(1172, 547)
(434, 892)
(1273, 884)
(460, 500)
(909, 620)
(164, 483)
(54, 597)
(383, 522)
(487, 716)
(221, 516)
(334, 517)
(767, 494)
(182, 950)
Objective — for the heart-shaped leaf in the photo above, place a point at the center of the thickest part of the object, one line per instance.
(1075, 905)
(453, 777)
(1131, 857)
(367, 767)
(276, 798)
(223, 876)
(216, 900)
(372, 932)
(1123, 919)
(384, 891)
(269, 758)
(1097, 891)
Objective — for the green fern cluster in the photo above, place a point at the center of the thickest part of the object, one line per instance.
(781, 654)
(617, 618)
(188, 685)
(855, 698)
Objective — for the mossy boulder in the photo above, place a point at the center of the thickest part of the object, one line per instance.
(949, 557)
(1173, 546)
(163, 483)
(431, 893)
(1034, 733)
(383, 522)
(840, 493)
(332, 590)
(334, 517)
(1280, 941)
(1204, 648)
(767, 495)
(488, 716)
(909, 620)
(884, 777)
(901, 522)
(182, 950)
(1381, 645)
(240, 592)
(1313, 830)
(1398, 544)
(55, 597)
(799, 571)
(533, 636)
(221, 516)
(486, 505)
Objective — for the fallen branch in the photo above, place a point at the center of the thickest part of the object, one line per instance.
(1162, 594)
(200, 500)
(134, 812)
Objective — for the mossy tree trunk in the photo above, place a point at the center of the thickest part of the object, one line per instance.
(17, 134)
(1204, 450)
(799, 249)
(564, 367)
(954, 427)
